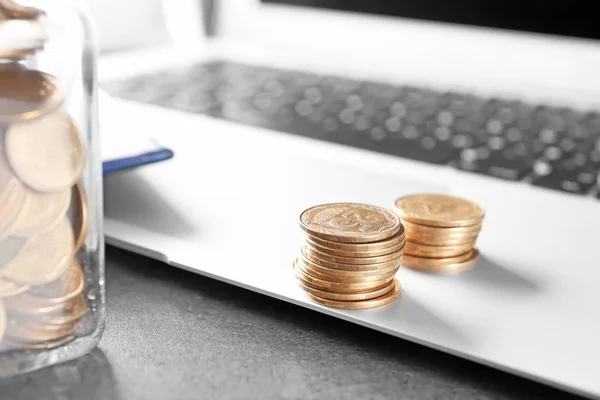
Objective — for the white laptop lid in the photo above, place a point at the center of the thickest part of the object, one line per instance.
(135, 24)
(156, 212)
(558, 69)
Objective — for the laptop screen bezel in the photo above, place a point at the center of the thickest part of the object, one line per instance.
(537, 66)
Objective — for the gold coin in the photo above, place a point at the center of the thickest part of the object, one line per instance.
(31, 36)
(47, 153)
(16, 54)
(336, 286)
(80, 215)
(2, 320)
(6, 174)
(384, 246)
(337, 272)
(421, 250)
(350, 222)
(451, 264)
(416, 229)
(441, 236)
(66, 287)
(43, 258)
(362, 304)
(14, 344)
(41, 211)
(9, 289)
(343, 279)
(347, 296)
(12, 10)
(339, 291)
(442, 241)
(9, 248)
(346, 253)
(352, 267)
(28, 305)
(10, 208)
(76, 310)
(27, 94)
(31, 332)
(313, 251)
(438, 210)
(11, 195)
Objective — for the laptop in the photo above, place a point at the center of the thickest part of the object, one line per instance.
(291, 103)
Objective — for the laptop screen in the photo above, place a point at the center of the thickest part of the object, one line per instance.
(574, 18)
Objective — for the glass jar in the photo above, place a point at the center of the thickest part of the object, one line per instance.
(51, 243)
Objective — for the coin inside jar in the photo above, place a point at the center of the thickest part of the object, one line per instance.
(54, 144)
(9, 289)
(41, 211)
(21, 38)
(31, 332)
(13, 10)
(2, 320)
(9, 248)
(16, 344)
(34, 307)
(10, 207)
(69, 285)
(76, 310)
(79, 215)
(11, 195)
(6, 174)
(44, 257)
(26, 94)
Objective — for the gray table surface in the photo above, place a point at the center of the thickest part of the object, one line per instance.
(175, 335)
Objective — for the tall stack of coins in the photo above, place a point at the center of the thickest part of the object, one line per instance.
(43, 212)
(441, 231)
(350, 255)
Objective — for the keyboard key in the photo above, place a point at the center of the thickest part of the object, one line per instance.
(553, 147)
(569, 181)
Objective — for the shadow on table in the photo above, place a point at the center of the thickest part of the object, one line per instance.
(89, 377)
(130, 199)
(423, 320)
(491, 273)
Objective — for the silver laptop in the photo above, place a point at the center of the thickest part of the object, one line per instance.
(293, 103)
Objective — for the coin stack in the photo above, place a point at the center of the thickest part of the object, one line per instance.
(43, 212)
(350, 255)
(441, 232)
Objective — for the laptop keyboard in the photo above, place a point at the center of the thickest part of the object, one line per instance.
(556, 148)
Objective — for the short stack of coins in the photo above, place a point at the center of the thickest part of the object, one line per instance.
(350, 255)
(43, 212)
(441, 232)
